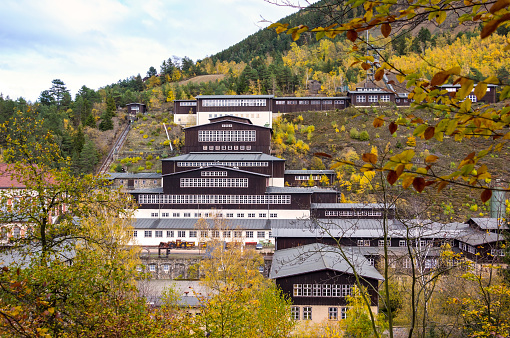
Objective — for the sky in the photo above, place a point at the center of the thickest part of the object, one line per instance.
(98, 42)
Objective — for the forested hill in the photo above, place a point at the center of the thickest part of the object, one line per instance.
(267, 42)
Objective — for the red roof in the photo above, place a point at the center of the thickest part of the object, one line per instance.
(6, 179)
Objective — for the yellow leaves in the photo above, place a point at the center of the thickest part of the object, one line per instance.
(480, 90)
(431, 159)
(465, 89)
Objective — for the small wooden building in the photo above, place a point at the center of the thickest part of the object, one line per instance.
(296, 178)
(318, 279)
(135, 108)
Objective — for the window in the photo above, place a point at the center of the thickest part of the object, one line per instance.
(159, 233)
(307, 290)
(326, 290)
(251, 215)
(176, 214)
(135, 233)
(384, 98)
(343, 313)
(230, 215)
(187, 214)
(297, 290)
(336, 290)
(147, 233)
(240, 215)
(165, 214)
(381, 242)
(193, 234)
(295, 309)
(371, 261)
(215, 234)
(339, 101)
(316, 290)
(152, 267)
(170, 233)
(166, 267)
(361, 98)
(273, 215)
(261, 234)
(226, 136)
(307, 312)
(363, 242)
(472, 97)
(203, 233)
(198, 214)
(372, 98)
(333, 313)
(238, 234)
(346, 290)
(181, 233)
(249, 234)
(214, 182)
(402, 243)
(226, 234)
(154, 214)
(262, 215)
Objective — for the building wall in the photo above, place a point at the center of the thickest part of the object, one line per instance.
(243, 210)
(258, 117)
(262, 141)
(274, 169)
(325, 277)
(296, 104)
(296, 180)
(185, 120)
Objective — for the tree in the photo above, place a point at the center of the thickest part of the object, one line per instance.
(58, 91)
(449, 116)
(152, 72)
(242, 302)
(71, 273)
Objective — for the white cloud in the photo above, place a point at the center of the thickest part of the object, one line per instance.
(98, 42)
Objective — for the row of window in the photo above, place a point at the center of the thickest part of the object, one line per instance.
(234, 103)
(214, 183)
(303, 102)
(307, 313)
(468, 248)
(213, 173)
(210, 214)
(202, 233)
(213, 199)
(224, 164)
(226, 136)
(248, 147)
(322, 290)
(306, 178)
(353, 213)
(373, 98)
(188, 104)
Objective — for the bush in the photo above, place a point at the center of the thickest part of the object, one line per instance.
(149, 157)
(363, 136)
(353, 133)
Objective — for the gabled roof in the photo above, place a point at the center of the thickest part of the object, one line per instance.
(223, 156)
(319, 257)
(217, 167)
(229, 118)
(490, 223)
(6, 179)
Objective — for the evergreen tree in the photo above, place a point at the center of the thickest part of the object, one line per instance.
(88, 158)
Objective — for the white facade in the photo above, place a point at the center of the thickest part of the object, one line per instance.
(259, 118)
(263, 213)
(185, 120)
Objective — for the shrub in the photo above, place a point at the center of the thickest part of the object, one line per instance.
(363, 136)
(140, 168)
(353, 133)
(149, 157)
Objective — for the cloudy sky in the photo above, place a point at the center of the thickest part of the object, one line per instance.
(98, 42)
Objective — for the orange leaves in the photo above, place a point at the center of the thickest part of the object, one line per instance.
(392, 127)
(378, 122)
(369, 157)
(486, 195)
(365, 66)
(385, 29)
(419, 184)
(500, 4)
(379, 75)
(441, 77)
(352, 35)
(491, 26)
